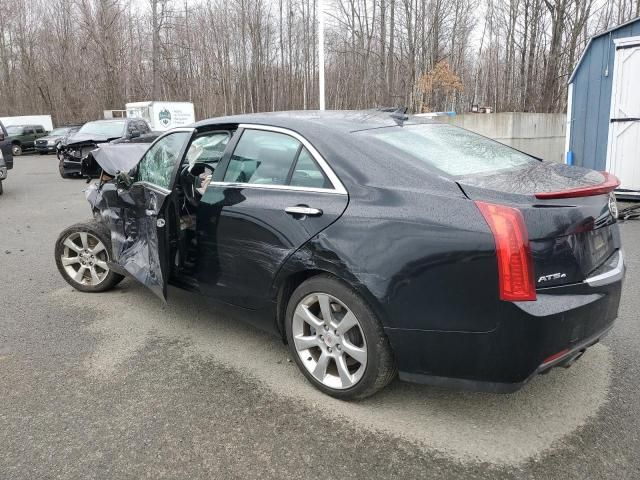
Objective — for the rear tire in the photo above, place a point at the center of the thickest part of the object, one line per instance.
(348, 357)
(81, 252)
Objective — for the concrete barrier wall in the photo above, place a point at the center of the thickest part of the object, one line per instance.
(539, 134)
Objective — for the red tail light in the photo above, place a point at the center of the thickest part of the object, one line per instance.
(515, 266)
(610, 183)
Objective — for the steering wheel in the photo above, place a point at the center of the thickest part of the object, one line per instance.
(194, 180)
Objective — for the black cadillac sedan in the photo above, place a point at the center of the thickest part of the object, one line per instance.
(372, 243)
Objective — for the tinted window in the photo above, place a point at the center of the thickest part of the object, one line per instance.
(208, 148)
(39, 129)
(449, 149)
(159, 163)
(262, 157)
(308, 173)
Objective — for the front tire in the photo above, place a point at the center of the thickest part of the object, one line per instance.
(337, 340)
(82, 252)
(16, 149)
(63, 174)
(0, 187)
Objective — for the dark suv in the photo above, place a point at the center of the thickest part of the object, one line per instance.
(77, 146)
(23, 137)
(6, 157)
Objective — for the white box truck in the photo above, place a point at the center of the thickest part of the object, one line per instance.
(44, 120)
(162, 116)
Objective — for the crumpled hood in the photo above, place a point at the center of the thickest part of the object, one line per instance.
(119, 157)
(77, 138)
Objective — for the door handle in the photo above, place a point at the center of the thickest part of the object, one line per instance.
(301, 210)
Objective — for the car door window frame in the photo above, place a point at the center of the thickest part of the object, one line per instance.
(204, 133)
(176, 168)
(338, 187)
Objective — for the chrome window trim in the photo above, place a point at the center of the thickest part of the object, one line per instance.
(338, 187)
(610, 276)
(292, 188)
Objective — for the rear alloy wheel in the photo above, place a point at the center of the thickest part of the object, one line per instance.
(337, 341)
(82, 253)
(16, 150)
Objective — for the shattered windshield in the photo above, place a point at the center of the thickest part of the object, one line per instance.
(160, 161)
(106, 129)
(15, 130)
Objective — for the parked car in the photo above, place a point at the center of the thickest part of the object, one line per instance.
(23, 137)
(6, 157)
(49, 143)
(76, 147)
(369, 242)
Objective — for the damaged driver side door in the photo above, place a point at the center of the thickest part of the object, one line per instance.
(144, 231)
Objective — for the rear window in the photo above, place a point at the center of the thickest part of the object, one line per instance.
(452, 150)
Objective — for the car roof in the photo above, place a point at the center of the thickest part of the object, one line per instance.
(354, 159)
(338, 121)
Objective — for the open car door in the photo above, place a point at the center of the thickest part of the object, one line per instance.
(136, 213)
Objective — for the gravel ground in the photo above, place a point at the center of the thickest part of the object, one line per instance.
(119, 385)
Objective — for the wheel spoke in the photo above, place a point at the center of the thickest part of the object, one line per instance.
(69, 243)
(70, 260)
(94, 275)
(321, 367)
(79, 274)
(343, 371)
(102, 264)
(304, 342)
(97, 249)
(325, 308)
(347, 323)
(357, 353)
(303, 312)
(84, 241)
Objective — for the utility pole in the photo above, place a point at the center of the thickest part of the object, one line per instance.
(321, 54)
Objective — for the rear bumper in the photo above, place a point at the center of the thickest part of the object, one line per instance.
(530, 338)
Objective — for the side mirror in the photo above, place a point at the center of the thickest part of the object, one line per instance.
(123, 180)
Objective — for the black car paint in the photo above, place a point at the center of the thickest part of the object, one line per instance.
(412, 243)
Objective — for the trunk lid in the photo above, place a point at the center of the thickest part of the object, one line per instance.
(570, 238)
